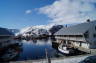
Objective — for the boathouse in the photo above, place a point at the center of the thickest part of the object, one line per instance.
(5, 37)
(80, 35)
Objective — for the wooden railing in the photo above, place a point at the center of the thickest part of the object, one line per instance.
(72, 38)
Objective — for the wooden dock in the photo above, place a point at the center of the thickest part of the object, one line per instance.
(72, 59)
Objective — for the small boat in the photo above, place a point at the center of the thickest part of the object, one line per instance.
(65, 50)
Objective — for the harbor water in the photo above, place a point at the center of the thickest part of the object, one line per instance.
(36, 49)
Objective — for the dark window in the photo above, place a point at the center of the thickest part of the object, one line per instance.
(94, 35)
(86, 34)
(95, 27)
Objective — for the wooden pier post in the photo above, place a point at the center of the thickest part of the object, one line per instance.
(47, 58)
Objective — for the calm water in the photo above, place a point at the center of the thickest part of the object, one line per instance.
(36, 49)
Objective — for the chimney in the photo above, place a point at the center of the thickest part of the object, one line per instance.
(88, 20)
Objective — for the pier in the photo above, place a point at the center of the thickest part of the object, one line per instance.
(69, 59)
(73, 59)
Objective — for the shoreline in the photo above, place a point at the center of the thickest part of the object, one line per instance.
(77, 58)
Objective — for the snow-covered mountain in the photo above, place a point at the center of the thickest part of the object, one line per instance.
(55, 28)
(38, 30)
(35, 27)
(35, 30)
(14, 31)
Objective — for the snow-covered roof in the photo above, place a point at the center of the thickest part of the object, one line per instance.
(78, 29)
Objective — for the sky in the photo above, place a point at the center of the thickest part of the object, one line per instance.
(23, 13)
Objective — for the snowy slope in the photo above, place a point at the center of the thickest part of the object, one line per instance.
(35, 30)
(38, 30)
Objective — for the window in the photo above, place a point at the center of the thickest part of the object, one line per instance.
(95, 27)
(94, 35)
(86, 34)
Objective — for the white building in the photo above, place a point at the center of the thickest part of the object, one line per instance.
(80, 35)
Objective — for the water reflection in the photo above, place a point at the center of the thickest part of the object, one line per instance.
(34, 41)
(36, 49)
(10, 52)
(31, 50)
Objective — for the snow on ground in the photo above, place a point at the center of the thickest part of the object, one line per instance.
(57, 60)
(70, 60)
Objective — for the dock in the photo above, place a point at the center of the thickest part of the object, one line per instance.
(72, 59)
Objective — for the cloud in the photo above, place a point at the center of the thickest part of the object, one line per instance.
(28, 11)
(70, 11)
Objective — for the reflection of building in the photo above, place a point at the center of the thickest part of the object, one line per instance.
(11, 52)
(5, 38)
(81, 35)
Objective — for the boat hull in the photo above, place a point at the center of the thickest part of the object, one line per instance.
(63, 51)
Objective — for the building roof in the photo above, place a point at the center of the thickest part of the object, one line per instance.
(5, 32)
(78, 29)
